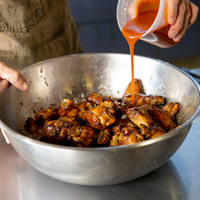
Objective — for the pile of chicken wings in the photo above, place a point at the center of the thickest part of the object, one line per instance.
(101, 121)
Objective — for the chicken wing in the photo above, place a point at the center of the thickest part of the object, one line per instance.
(55, 131)
(103, 137)
(94, 98)
(46, 114)
(151, 132)
(98, 117)
(139, 116)
(68, 109)
(125, 135)
(161, 118)
(172, 108)
(102, 115)
(141, 99)
(138, 88)
(81, 136)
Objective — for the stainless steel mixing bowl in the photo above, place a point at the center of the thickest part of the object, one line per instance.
(75, 77)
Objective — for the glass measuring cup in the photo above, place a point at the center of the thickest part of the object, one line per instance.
(157, 34)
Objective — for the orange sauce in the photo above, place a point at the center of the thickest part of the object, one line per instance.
(161, 35)
(133, 31)
(136, 27)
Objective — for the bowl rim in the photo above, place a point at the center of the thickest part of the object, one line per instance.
(164, 137)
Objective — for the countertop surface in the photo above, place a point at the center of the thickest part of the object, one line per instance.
(177, 179)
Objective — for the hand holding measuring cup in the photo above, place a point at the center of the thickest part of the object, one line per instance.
(181, 15)
(172, 19)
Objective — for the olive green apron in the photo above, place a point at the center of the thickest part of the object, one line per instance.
(35, 30)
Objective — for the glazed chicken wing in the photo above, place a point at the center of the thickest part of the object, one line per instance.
(171, 108)
(68, 109)
(46, 114)
(139, 116)
(98, 117)
(125, 135)
(55, 131)
(102, 115)
(94, 98)
(103, 137)
(141, 99)
(150, 116)
(31, 126)
(81, 136)
(156, 131)
(138, 88)
(151, 132)
(161, 117)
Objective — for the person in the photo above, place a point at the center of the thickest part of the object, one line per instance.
(35, 30)
(32, 31)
